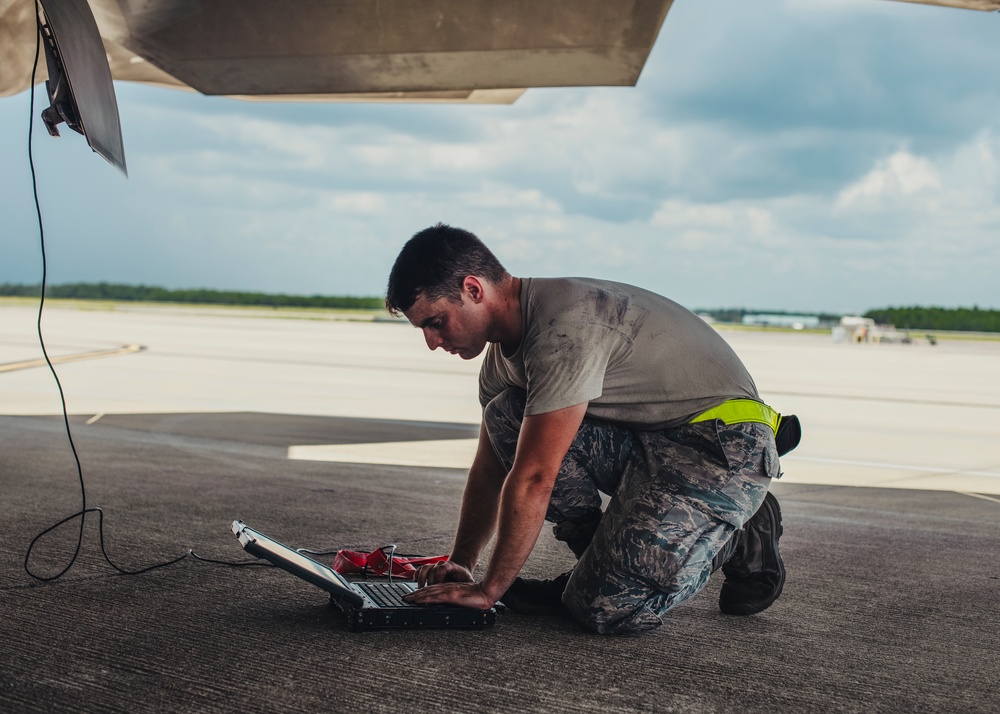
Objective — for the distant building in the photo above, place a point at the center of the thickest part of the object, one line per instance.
(796, 322)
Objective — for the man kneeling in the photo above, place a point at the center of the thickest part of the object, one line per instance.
(591, 386)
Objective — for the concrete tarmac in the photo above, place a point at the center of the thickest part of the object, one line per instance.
(329, 434)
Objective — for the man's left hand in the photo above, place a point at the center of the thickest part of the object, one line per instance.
(469, 595)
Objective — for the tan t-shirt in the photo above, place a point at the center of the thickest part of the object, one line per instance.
(638, 358)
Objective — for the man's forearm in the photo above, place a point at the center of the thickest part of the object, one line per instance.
(541, 447)
(523, 504)
(479, 505)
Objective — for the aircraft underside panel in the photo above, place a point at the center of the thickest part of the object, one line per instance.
(439, 50)
(983, 5)
(478, 51)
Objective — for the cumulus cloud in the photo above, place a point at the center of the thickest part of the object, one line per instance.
(901, 174)
(363, 202)
(494, 195)
(696, 226)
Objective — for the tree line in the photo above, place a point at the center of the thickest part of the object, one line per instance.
(964, 319)
(736, 314)
(145, 293)
(958, 319)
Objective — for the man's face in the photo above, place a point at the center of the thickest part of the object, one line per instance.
(457, 327)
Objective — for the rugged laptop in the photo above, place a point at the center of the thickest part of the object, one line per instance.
(367, 605)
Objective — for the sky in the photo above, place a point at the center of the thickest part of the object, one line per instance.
(797, 155)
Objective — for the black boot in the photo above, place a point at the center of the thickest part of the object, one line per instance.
(537, 597)
(730, 549)
(578, 532)
(755, 573)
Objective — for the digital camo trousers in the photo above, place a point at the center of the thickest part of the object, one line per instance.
(677, 497)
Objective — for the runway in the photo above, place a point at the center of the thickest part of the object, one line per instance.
(332, 434)
(884, 416)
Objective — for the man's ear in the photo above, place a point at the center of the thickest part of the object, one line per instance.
(473, 287)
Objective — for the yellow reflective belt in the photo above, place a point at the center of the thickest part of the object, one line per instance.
(736, 411)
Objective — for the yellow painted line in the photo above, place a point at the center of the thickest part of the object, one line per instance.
(97, 354)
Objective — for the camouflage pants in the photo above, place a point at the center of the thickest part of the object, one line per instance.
(677, 497)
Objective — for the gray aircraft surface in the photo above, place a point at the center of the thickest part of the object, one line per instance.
(471, 51)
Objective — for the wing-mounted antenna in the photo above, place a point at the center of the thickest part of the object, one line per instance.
(80, 89)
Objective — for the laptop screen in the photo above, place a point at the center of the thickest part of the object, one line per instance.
(294, 562)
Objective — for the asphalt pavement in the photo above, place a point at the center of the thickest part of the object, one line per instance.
(891, 514)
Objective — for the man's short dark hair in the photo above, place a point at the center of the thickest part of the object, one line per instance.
(434, 263)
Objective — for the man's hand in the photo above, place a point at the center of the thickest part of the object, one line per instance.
(462, 594)
(451, 584)
(445, 571)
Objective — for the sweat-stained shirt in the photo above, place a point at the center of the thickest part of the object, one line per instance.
(638, 358)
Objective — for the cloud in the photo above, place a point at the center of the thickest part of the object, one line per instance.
(974, 169)
(698, 226)
(901, 174)
(495, 195)
(361, 202)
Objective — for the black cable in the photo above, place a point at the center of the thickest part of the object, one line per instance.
(41, 304)
(231, 563)
(82, 513)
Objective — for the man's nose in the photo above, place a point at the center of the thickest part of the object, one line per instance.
(433, 340)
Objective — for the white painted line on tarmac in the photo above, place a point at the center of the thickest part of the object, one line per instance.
(441, 453)
(29, 364)
(893, 467)
(979, 495)
(93, 419)
(459, 453)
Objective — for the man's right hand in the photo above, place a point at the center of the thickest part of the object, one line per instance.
(443, 572)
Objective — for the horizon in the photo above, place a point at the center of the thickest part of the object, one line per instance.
(333, 296)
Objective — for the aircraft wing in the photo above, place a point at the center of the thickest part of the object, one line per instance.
(983, 5)
(373, 50)
(395, 50)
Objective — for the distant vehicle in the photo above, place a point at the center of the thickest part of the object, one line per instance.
(858, 329)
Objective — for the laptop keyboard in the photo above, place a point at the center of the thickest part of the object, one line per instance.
(386, 594)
